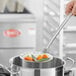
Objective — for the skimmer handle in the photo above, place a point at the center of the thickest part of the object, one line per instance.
(58, 31)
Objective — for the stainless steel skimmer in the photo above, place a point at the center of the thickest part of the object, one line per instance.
(61, 26)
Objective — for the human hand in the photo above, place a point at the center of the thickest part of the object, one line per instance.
(71, 7)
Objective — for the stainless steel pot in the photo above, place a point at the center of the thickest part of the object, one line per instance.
(20, 67)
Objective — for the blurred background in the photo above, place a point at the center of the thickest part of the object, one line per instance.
(33, 24)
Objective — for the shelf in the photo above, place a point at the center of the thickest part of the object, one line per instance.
(17, 18)
(70, 52)
(70, 45)
(70, 29)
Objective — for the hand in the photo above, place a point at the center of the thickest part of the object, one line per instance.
(71, 7)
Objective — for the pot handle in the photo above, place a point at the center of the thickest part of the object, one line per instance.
(70, 59)
(8, 69)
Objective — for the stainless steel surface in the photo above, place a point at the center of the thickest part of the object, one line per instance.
(25, 24)
(54, 63)
(20, 67)
(71, 65)
(50, 68)
(40, 72)
(58, 31)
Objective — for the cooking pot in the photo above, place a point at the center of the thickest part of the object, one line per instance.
(54, 67)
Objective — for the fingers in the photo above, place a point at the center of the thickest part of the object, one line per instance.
(74, 9)
(69, 7)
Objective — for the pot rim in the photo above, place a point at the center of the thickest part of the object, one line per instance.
(62, 65)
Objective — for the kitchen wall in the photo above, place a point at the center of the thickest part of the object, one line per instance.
(36, 7)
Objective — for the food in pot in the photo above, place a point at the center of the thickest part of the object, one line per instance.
(29, 58)
(39, 58)
(45, 56)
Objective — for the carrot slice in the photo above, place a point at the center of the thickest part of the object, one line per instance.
(39, 57)
(45, 56)
(29, 58)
